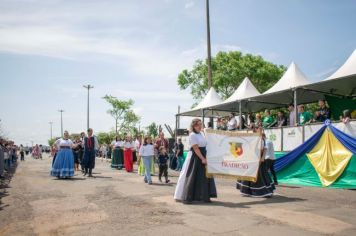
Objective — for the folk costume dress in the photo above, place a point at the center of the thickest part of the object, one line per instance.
(117, 160)
(128, 157)
(263, 187)
(193, 185)
(90, 147)
(63, 166)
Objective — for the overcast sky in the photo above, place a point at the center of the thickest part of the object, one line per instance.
(135, 49)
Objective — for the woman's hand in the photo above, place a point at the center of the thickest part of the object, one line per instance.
(203, 161)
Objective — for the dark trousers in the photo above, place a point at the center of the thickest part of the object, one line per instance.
(163, 170)
(270, 167)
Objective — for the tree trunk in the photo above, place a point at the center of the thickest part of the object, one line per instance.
(116, 126)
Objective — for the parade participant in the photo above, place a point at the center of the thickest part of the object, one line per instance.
(146, 154)
(137, 144)
(193, 185)
(76, 153)
(63, 166)
(179, 154)
(36, 152)
(161, 141)
(270, 158)
(103, 151)
(2, 158)
(162, 163)
(128, 158)
(22, 153)
(323, 113)
(81, 154)
(263, 187)
(117, 161)
(90, 146)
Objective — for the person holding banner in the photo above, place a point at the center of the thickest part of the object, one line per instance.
(263, 187)
(193, 184)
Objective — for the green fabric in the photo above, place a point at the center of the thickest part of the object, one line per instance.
(267, 121)
(338, 105)
(304, 117)
(301, 172)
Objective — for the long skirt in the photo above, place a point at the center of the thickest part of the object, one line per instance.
(141, 167)
(89, 159)
(197, 186)
(134, 156)
(115, 159)
(263, 186)
(128, 162)
(63, 165)
(178, 194)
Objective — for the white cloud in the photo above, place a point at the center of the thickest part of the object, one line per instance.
(189, 5)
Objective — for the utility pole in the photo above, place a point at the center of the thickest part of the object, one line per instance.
(61, 111)
(88, 87)
(210, 74)
(51, 123)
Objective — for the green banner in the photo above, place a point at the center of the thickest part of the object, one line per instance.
(338, 105)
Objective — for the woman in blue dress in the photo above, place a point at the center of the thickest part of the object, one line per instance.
(63, 166)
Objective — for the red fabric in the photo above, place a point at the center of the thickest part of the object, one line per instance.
(89, 142)
(128, 160)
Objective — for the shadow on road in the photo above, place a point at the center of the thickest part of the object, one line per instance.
(272, 200)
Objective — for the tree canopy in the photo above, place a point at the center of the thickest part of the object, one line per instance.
(229, 70)
(125, 118)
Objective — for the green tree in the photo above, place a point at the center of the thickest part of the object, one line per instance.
(152, 130)
(51, 141)
(229, 69)
(129, 122)
(121, 112)
(105, 138)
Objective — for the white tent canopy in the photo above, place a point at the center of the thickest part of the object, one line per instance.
(347, 69)
(212, 98)
(292, 78)
(245, 90)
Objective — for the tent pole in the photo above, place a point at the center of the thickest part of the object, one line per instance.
(203, 116)
(240, 109)
(295, 106)
(176, 133)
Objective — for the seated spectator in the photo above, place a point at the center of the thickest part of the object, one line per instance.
(281, 119)
(258, 121)
(223, 124)
(304, 116)
(267, 120)
(232, 124)
(323, 113)
(219, 124)
(250, 121)
(346, 116)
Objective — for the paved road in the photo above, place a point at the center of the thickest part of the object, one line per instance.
(119, 203)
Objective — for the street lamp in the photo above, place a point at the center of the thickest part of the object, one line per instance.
(51, 123)
(61, 111)
(88, 87)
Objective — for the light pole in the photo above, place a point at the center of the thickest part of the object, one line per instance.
(61, 111)
(88, 87)
(51, 123)
(210, 74)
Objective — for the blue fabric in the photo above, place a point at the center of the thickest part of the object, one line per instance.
(348, 141)
(292, 156)
(147, 163)
(63, 166)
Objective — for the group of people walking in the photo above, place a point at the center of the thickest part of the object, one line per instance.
(69, 154)
(193, 183)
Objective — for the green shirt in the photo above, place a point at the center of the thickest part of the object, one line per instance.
(268, 120)
(304, 117)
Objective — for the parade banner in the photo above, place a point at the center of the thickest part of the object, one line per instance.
(233, 154)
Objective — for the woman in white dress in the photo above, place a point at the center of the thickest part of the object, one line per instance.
(63, 166)
(193, 185)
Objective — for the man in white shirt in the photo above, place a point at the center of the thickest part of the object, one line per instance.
(292, 121)
(269, 158)
(232, 124)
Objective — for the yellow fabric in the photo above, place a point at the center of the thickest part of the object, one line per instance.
(329, 158)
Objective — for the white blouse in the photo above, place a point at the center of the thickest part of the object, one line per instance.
(197, 139)
(147, 150)
(128, 145)
(64, 143)
(117, 143)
